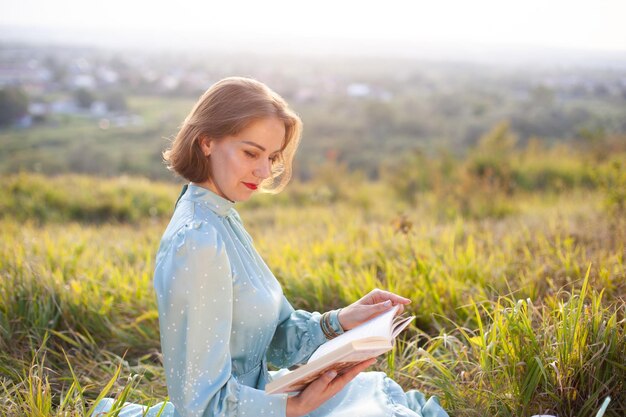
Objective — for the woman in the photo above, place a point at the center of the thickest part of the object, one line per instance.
(222, 313)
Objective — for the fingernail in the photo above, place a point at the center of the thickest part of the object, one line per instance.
(331, 374)
(387, 303)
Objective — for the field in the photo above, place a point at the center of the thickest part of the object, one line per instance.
(520, 295)
(511, 247)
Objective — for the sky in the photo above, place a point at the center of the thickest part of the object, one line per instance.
(596, 25)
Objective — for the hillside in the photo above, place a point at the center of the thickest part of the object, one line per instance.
(109, 112)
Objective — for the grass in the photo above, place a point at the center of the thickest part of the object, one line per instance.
(69, 143)
(516, 315)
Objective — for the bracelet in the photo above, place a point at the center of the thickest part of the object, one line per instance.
(336, 320)
(326, 324)
(327, 329)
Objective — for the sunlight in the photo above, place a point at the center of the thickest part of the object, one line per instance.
(564, 24)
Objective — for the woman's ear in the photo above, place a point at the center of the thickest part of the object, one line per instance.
(205, 144)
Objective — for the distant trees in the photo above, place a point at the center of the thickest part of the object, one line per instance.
(13, 105)
(115, 101)
(84, 98)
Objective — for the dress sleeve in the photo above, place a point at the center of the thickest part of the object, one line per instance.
(297, 336)
(193, 284)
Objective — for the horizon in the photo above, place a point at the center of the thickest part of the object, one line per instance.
(488, 54)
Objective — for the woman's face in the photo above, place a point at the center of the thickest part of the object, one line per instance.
(239, 163)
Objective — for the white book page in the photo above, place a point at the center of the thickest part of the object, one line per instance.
(399, 324)
(378, 326)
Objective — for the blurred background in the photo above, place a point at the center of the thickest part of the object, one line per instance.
(99, 90)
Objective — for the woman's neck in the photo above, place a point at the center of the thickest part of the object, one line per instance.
(209, 185)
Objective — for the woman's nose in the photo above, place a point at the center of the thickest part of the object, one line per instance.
(263, 170)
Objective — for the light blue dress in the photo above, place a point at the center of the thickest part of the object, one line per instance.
(223, 317)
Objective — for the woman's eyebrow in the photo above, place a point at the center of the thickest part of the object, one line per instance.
(253, 144)
(256, 145)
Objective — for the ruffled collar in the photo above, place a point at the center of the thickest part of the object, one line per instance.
(218, 204)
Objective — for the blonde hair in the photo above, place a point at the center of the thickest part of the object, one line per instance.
(226, 108)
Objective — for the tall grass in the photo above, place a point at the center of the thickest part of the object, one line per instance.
(82, 199)
(481, 184)
(564, 357)
(516, 315)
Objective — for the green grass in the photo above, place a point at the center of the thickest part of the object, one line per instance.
(516, 315)
(78, 198)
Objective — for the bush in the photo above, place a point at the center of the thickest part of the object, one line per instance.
(83, 199)
(13, 105)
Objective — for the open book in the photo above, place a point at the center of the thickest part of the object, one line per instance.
(365, 341)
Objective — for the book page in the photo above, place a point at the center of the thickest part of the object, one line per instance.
(369, 340)
(378, 326)
(399, 324)
(349, 357)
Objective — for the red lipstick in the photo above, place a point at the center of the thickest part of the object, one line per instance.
(250, 185)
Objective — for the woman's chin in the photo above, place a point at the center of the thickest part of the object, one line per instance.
(241, 197)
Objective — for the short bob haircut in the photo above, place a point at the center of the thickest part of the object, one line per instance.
(225, 109)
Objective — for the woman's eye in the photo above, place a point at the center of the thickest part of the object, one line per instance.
(274, 159)
(250, 154)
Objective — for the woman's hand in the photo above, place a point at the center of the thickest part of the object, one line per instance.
(323, 389)
(374, 303)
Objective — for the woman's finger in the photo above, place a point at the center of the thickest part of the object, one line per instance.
(379, 295)
(329, 384)
(321, 383)
(400, 309)
(352, 372)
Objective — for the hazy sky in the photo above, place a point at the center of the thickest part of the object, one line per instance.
(597, 24)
